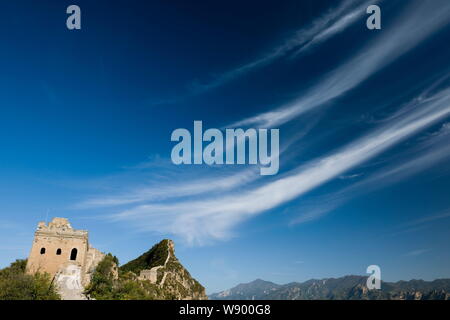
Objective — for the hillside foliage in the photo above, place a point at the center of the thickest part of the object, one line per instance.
(156, 256)
(106, 286)
(15, 284)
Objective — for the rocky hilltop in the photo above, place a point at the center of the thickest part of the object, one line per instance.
(156, 274)
(344, 288)
(160, 266)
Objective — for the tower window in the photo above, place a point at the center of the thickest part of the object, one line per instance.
(42, 250)
(58, 252)
(73, 254)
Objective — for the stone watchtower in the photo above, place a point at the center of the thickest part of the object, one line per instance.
(63, 252)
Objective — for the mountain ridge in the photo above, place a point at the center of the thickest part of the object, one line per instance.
(351, 287)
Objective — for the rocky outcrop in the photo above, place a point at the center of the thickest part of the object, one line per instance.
(160, 267)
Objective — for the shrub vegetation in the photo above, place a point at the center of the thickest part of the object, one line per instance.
(15, 284)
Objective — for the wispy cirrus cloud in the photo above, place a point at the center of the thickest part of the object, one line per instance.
(430, 218)
(199, 221)
(161, 191)
(432, 149)
(415, 253)
(327, 27)
(335, 21)
(158, 186)
(391, 44)
(421, 223)
(351, 176)
(228, 200)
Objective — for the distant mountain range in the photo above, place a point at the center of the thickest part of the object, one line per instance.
(344, 288)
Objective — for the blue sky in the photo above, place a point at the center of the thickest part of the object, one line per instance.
(364, 119)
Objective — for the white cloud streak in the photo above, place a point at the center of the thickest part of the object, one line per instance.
(428, 219)
(421, 20)
(156, 189)
(335, 21)
(213, 218)
(333, 28)
(428, 154)
(416, 252)
(162, 191)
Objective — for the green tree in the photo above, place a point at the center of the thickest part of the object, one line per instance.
(102, 283)
(15, 284)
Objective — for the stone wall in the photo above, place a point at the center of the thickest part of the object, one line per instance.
(149, 274)
(93, 258)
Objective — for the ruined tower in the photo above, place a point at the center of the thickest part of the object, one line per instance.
(64, 253)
